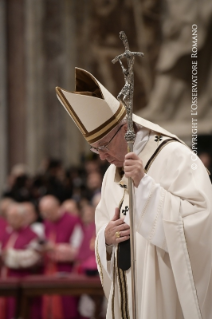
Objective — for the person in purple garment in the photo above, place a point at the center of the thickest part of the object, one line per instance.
(70, 206)
(86, 256)
(17, 256)
(63, 238)
(4, 204)
(3, 225)
(86, 260)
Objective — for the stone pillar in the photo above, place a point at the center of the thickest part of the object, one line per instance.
(53, 60)
(63, 139)
(72, 142)
(35, 85)
(3, 97)
(15, 81)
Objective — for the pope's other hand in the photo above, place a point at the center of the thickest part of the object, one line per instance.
(115, 227)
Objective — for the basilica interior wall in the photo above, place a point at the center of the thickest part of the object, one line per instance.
(42, 41)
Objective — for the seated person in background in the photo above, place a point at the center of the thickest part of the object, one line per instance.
(96, 199)
(63, 237)
(18, 184)
(4, 204)
(31, 219)
(86, 261)
(70, 206)
(94, 182)
(17, 255)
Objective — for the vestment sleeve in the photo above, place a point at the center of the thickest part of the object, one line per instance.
(101, 220)
(179, 209)
(149, 198)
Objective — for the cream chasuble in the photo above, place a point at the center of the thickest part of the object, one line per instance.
(173, 213)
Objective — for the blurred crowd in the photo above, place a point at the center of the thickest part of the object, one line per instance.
(47, 227)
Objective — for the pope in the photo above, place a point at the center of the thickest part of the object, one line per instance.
(172, 210)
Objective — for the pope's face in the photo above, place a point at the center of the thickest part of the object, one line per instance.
(116, 150)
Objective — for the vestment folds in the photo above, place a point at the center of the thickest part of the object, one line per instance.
(173, 210)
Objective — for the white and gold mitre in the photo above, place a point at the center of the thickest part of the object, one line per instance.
(91, 106)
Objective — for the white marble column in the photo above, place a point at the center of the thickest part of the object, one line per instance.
(3, 97)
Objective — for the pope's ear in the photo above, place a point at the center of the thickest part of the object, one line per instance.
(125, 127)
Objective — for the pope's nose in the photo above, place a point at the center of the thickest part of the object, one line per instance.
(102, 155)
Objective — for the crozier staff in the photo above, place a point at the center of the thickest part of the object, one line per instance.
(126, 97)
(173, 207)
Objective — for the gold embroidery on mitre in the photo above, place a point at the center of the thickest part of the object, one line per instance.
(99, 132)
(107, 126)
(70, 111)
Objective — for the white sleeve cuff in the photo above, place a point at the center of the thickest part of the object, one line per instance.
(149, 198)
(21, 258)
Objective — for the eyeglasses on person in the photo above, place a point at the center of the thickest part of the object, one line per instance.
(104, 148)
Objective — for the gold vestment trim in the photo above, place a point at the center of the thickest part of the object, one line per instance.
(99, 132)
(99, 262)
(123, 293)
